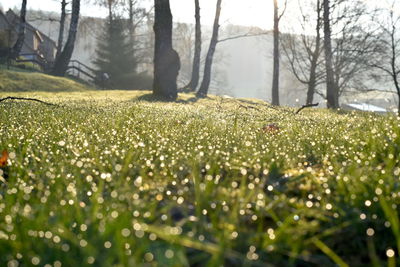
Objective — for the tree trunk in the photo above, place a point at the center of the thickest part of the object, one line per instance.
(205, 85)
(61, 63)
(110, 13)
(166, 59)
(311, 87)
(275, 76)
(314, 61)
(397, 85)
(332, 93)
(398, 99)
(396, 82)
(132, 29)
(62, 27)
(16, 50)
(194, 81)
(393, 66)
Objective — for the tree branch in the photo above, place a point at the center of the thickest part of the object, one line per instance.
(306, 106)
(242, 36)
(283, 12)
(27, 99)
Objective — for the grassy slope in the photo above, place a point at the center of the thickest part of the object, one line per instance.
(13, 81)
(116, 178)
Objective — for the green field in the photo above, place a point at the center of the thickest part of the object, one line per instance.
(116, 178)
(28, 81)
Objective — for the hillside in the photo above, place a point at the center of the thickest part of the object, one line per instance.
(117, 178)
(20, 81)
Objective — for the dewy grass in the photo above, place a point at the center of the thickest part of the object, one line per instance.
(116, 178)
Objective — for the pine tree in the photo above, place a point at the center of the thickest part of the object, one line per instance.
(115, 56)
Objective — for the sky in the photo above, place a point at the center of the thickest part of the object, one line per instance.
(238, 12)
(257, 13)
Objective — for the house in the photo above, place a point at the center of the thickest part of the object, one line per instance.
(37, 46)
(5, 34)
(364, 107)
(379, 101)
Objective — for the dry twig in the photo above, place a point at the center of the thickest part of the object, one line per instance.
(26, 99)
(306, 106)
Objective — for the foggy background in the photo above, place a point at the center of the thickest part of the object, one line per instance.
(242, 66)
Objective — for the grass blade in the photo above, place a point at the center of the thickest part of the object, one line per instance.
(329, 252)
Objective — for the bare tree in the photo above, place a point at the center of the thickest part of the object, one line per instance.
(62, 27)
(203, 91)
(387, 59)
(276, 62)
(113, 7)
(303, 52)
(16, 50)
(332, 94)
(353, 45)
(194, 81)
(136, 16)
(166, 59)
(183, 39)
(61, 63)
(131, 10)
(110, 5)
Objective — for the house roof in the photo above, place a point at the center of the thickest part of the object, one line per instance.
(13, 19)
(3, 15)
(11, 25)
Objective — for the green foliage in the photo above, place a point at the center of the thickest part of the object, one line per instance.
(116, 178)
(115, 56)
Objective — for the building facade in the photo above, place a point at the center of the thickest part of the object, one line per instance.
(37, 46)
